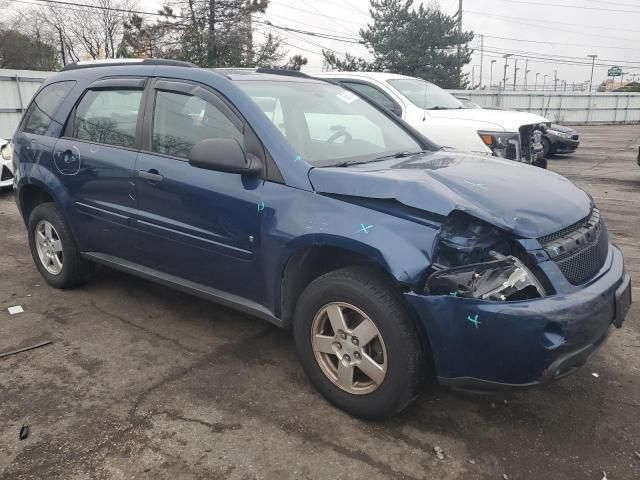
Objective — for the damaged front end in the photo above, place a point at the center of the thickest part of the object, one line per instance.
(476, 260)
(523, 146)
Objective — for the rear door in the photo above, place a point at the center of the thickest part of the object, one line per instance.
(97, 155)
(200, 225)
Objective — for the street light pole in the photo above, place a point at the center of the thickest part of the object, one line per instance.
(536, 86)
(504, 78)
(544, 82)
(593, 64)
(481, 58)
(491, 74)
(515, 73)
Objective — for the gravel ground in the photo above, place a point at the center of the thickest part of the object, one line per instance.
(142, 382)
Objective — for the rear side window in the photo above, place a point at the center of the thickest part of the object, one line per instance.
(180, 121)
(40, 113)
(375, 95)
(108, 116)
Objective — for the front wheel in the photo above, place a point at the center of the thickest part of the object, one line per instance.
(358, 344)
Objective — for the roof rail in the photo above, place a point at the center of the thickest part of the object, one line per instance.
(115, 62)
(282, 71)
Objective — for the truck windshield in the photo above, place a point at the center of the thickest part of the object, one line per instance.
(328, 125)
(424, 94)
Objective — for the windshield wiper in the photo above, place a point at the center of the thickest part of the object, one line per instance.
(438, 108)
(384, 157)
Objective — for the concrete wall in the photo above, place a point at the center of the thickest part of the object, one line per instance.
(564, 107)
(16, 89)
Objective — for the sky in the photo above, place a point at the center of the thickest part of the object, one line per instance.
(558, 32)
(554, 35)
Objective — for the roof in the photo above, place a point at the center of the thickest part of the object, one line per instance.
(114, 62)
(380, 76)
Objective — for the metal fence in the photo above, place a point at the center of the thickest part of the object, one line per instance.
(563, 107)
(16, 89)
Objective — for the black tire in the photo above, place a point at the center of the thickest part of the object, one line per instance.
(546, 148)
(75, 270)
(375, 295)
(541, 163)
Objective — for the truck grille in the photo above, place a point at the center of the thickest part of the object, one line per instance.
(580, 249)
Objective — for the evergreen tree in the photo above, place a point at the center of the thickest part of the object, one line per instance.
(420, 42)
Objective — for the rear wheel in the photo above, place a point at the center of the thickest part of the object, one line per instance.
(358, 344)
(54, 249)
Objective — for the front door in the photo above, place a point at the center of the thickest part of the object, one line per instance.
(96, 156)
(200, 225)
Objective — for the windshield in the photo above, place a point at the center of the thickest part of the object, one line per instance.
(434, 98)
(326, 124)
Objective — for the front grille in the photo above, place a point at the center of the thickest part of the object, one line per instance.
(584, 264)
(552, 237)
(580, 249)
(6, 174)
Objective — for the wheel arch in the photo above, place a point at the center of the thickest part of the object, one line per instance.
(309, 262)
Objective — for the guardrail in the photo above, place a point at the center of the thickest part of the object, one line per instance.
(563, 107)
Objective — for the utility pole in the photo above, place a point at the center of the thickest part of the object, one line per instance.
(459, 42)
(491, 74)
(526, 73)
(504, 78)
(593, 64)
(515, 73)
(62, 48)
(473, 77)
(544, 82)
(555, 80)
(481, 58)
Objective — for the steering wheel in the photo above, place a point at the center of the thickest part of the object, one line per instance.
(340, 133)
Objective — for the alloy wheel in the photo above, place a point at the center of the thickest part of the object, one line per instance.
(49, 247)
(349, 348)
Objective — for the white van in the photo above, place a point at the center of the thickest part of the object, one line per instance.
(448, 122)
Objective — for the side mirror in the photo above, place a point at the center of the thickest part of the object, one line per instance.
(224, 155)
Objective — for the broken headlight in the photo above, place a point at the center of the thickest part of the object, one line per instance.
(502, 144)
(505, 278)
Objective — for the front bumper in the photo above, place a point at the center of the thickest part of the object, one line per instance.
(563, 145)
(485, 345)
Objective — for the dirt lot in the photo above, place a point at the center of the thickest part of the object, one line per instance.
(145, 382)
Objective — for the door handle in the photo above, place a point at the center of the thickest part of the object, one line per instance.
(151, 175)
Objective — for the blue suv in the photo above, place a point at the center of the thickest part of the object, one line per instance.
(296, 200)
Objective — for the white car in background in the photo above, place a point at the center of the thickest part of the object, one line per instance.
(6, 165)
(448, 122)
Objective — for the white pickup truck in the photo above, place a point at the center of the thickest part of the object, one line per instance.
(445, 120)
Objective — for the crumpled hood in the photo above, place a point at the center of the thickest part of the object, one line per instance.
(510, 120)
(528, 201)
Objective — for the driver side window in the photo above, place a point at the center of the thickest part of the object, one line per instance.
(181, 120)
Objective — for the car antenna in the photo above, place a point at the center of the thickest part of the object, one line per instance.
(424, 105)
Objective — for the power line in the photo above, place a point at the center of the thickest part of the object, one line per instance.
(561, 43)
(311, 33)
(96, 7)
(570, 6)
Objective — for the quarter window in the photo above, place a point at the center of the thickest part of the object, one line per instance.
(40, 113)
(180, 121)
(108, 117)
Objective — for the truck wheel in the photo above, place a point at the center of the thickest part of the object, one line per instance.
(358, 344)
(54, 249)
